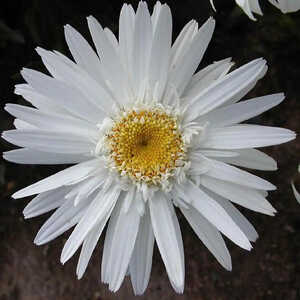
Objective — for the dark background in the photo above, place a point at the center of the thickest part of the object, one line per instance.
(270, 271)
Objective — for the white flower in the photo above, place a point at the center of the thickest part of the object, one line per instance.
(296, 193)
(144, 134)
(252, 6)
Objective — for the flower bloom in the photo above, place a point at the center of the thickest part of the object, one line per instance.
(252, 6)
(145, 133)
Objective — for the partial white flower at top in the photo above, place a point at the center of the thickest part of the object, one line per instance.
(296, 193)
(252, 6)
(286, 6)
(145, 133)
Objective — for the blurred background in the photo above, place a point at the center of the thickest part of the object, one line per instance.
(270, 271)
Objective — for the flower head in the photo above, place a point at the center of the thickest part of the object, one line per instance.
(145, 133)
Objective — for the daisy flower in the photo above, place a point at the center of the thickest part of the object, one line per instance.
(145, 133)
(252, 6)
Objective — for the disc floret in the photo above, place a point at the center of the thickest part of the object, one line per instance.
(146, 145)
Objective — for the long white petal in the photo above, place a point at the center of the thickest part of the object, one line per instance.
(141, 260)
(95, 213)
(183, 43)
(160, 52)
(45, 202)
(210, 236)
(122, 245)
(214, 213)
(62, 94)
(83, 53)
(236, 113)
(223, 171)
(39, 101)
(183, 71)
(52, 122)
(34, 157)
(225, 89)
(65, 217)
(165, 223)
(49, 141)
(89, 245)
(126, 31)
(113, 70)
(252, 159)
(236, 216)
(207, 76)
(246, 136)
(142, 44)
(74, 173)
(106, 257)
(19, 124)
(249, 198)
(74, 75)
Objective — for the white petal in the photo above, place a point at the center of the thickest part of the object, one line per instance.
(142, 43)
(141, 260)
(214, 213)
(89, 245)
(286, 6)
(160, 52)
(214, 153)
(61, 178)
(246, 136)
(112, 38)
(62, 220)
(83, 53)
(52, 122)
(62, 94)
(113, 71)
(183, 43)
(229, 173)
(252, 159)
(236, 113)
(165, 224)
(210, 237)
(236, 216)
(126, 31)
(122, 245)
(129, 199)
(19, 124)
(98, 210)
(74, 75)
(39, 101)
(296, 193)
(50, 141)
(106, 258)
(245, 5)
(213, 5)
(255, 7)
(207, 76)
(185, 68)
(34, 157)
(249, 198)
(45, 202)
(223, 90)
(86, 187)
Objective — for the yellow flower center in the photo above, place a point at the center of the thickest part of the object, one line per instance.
(146, 145)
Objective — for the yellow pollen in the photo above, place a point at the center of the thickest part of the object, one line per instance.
(146, 145)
